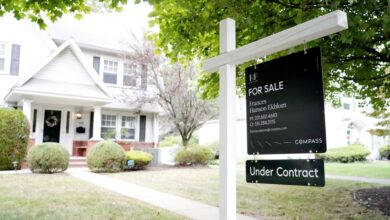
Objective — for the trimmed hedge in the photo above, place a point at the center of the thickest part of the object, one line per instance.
(48, 158)
(14, 135)
(194, 155)
(347, 154)
(385, 152)
(106, 156)
(141, 159)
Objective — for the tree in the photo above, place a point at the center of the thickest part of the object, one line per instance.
(175, 91)
(356, 61)
(37, 11)
(383, 125)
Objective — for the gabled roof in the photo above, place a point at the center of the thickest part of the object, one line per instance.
(80, 56)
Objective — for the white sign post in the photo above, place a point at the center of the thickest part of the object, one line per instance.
(226, 63)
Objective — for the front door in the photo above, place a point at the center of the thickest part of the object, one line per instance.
(52, 126)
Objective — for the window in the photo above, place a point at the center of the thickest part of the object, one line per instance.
(96, 64)
(128, 127)
(108, 126)
(130, 74)
(2, 56)
(110, 71)
(346, 106)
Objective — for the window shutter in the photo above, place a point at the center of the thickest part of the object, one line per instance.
(15, 59)
(91, 125)
(142, 128)
(144, 77)
(34, 128)
(96, 64)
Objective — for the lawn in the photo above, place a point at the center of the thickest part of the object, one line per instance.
(58, 196)
(379, 169)
(334, 201)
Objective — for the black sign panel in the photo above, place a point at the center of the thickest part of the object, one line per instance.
(288, 172)
(285, 105)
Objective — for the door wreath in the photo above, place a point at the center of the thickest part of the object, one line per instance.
(51, 121)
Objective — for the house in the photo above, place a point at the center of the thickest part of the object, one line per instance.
(72, 91)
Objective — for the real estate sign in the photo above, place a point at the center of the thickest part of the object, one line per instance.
(289, 172)
(285, 105)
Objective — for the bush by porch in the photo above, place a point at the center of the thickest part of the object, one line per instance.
(48, 158)
(14, 137)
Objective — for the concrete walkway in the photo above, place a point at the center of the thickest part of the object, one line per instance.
(182, 206)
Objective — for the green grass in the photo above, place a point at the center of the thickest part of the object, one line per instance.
(334, 201)
(57, 196)
(363, 169)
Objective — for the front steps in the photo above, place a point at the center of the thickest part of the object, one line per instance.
(78, 162)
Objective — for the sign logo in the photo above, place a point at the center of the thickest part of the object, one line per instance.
(252, 77)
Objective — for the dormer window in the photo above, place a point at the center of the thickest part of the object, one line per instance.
(110, 72)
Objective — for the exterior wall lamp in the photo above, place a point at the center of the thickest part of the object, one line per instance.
(79, 115)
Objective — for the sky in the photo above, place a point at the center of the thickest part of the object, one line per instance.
(104, 29)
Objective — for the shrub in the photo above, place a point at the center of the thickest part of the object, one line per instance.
(194, 155)
(141, 159)
(347, 154)
(385, 152)
(14, 135)
(106, 156)
(172, 140)
(48, 158)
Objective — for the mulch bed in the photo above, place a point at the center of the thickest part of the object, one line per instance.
(374, 198)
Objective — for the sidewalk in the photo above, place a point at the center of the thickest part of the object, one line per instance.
(182, 206)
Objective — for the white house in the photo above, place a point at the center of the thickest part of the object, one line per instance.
(71, 90)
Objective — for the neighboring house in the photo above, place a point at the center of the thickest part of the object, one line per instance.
(344, 125)
(72, 92)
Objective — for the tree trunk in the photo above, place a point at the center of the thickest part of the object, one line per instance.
(185, 142)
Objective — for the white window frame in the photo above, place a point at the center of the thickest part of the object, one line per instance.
(124, 127)
(118, 126)
(135, 73)
(109, 126)
(111, 72)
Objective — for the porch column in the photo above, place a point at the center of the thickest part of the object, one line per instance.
(27, 109)
(97, 121)
(155, 130)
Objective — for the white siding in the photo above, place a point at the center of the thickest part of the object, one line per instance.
(65, 67)
(83, 122)
(34, 49)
